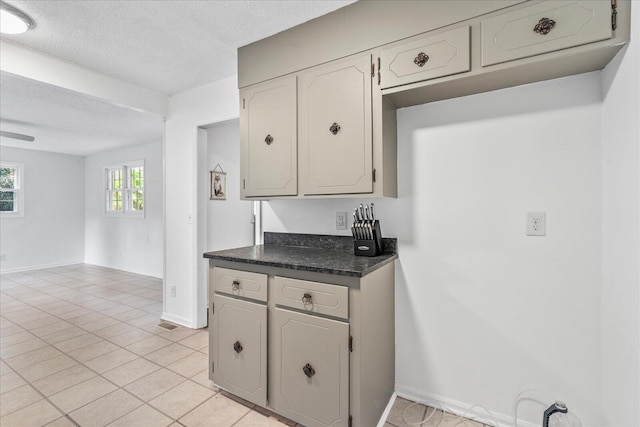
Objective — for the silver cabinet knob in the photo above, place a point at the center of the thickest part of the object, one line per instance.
(306, 299)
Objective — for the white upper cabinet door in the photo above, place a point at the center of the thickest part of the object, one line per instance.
(426, 58)
(544, 27)
(335, 128)
(268, 138)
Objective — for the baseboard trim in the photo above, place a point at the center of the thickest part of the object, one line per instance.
(39, 267)
(178, 320)
(387, 410)
(121, 269)
(458, 408)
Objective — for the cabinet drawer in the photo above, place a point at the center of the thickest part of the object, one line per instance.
(313, 297)
(239, 348)
(426, 58)
(516, 34)
(312, 381)
(240, 283)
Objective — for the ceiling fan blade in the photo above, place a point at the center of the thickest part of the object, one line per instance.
(17, 136)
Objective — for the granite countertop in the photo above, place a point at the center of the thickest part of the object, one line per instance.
(309, 252)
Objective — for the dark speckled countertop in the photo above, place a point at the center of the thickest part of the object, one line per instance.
(309, 252)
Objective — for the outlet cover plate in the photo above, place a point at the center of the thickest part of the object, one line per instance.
(536, 223)
(341, 220)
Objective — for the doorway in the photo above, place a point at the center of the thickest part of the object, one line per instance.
(224, 221)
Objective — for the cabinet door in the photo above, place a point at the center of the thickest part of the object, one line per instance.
(544, 27)
(426, 58)
(335, 128)
(268, 138)
(312, 358)
(239, 350)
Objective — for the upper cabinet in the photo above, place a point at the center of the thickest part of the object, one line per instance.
(268, 139)
(319, 101)
(322, 132)
(335, 128)
(544, 27)
(426, 58)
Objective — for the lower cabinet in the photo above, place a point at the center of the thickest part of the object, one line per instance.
(315, 348)
(312, 358)
(239, 350)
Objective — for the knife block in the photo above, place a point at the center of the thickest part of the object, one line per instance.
(369, 247)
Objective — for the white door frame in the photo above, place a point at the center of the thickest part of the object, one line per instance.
(200, 265)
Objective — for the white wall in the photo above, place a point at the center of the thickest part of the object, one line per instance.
(201, 106)
(229, 221)
(621, 234)
(52, 229)
(484, 311)
(132, 244)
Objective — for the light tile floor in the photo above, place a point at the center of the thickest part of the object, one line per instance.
(79, 346)
(415, 414)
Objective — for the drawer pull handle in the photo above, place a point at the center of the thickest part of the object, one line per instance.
(421, 59)
(237, 347)
(235, 285)
(268, 140)
(308, 370)
(335, 128)
(306, 299)
(544, 26)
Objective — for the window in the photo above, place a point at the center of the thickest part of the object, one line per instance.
(11, 190)
(125, 189)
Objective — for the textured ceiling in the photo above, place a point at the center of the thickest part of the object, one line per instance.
(67, 122)
(164, 45)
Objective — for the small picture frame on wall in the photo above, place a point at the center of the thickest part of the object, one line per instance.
(218, 184)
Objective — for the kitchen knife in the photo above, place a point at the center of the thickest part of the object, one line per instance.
(363, 224)
(357, 222)
(373, 220)
(367, 223)
(354, 227)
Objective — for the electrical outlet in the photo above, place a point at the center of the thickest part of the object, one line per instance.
(173, 291)
(341, 220)
(536, 223)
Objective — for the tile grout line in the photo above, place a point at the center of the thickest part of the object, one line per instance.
(122, 387)
(92, 370)
(80, 306)
(194, 351)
